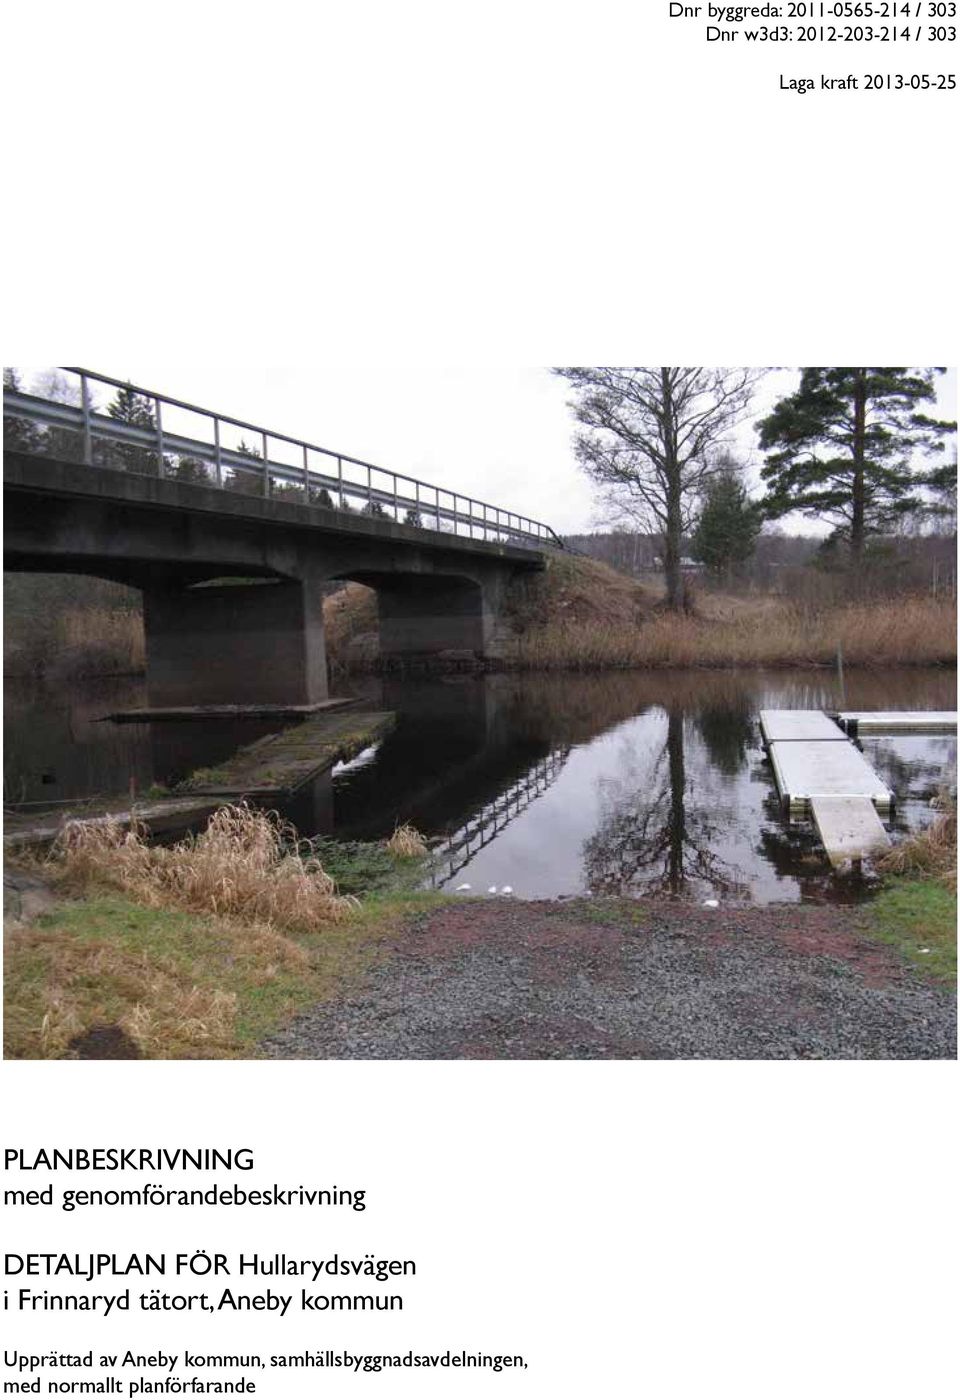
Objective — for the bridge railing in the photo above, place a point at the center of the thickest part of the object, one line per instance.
(149, 433)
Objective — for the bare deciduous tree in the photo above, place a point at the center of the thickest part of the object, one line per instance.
(650, 442)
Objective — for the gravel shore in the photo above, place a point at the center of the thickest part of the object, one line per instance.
(620, 979)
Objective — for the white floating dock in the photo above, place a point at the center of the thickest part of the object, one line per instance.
(805, 770)
(899, 721)
(821, 774)
(849, 828)
(791, 726)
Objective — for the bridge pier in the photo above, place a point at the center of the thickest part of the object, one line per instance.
(421, 615)
(250, 643)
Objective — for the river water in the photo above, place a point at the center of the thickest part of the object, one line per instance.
(551, 785)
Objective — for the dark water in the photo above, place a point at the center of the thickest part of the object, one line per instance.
(551, 785)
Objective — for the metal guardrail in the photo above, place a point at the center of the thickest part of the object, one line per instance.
(154, 447)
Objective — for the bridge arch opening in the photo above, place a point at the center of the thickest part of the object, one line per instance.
(417, 615)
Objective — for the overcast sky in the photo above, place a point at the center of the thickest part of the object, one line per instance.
(503, 435)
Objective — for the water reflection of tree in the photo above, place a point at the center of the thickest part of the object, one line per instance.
(728, 732)
(920, 772)
(652, 840)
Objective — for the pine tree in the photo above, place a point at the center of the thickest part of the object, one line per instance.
(137, 410)
(19, 434)
(130, 407)
(845, 448)
(729, 523)
(242, 482)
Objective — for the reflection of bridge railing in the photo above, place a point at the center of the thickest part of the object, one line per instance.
(157, 437)
(460, 848)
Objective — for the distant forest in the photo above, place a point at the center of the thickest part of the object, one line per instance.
(779, 562)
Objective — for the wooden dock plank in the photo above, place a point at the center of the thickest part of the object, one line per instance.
(899, 721)
(781, 726)
(849, 828)
(807, 770)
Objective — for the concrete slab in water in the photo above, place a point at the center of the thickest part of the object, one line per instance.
(807, 770)
(849, 828)
(189, 712)
(281, 763)
(780, 726)
(899, 721)
(161, 816)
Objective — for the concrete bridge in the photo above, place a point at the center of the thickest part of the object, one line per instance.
(233, 544)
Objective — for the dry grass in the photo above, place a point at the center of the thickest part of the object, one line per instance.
(909, 632)
(177, 984)
(245, 864)
(193, 950)
(582, 615)
(106, 633)
(932, 852)
(161, 1007)
(77, 642)
(575, 590)
(407, 843)
(349, 615)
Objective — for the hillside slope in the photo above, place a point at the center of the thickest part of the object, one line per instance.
(572, 591)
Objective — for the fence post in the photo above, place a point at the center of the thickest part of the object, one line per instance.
(87, 439)
(266, 469)
(156, 405)
(218, 461)
(306, 477)
(340, 481)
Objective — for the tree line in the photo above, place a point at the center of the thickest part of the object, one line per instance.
(857, 448)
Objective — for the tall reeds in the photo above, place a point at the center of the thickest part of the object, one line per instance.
(245, 864)
(99, 635)
(932, 852)
(907, 632)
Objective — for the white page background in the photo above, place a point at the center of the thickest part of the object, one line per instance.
(523, 184)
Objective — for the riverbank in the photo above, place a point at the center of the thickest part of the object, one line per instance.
(746, 633)
(168, 958)
(417, 976)
(577, 615)
(581, 615)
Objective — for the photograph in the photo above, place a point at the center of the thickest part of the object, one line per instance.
(561, 713)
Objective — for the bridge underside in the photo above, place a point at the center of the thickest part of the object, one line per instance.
(233, 600)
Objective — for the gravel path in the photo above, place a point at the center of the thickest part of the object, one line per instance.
(608, 979)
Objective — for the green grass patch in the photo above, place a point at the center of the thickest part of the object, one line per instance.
(367, 867)
(181, 985)
(915, 915)
(605, 912)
